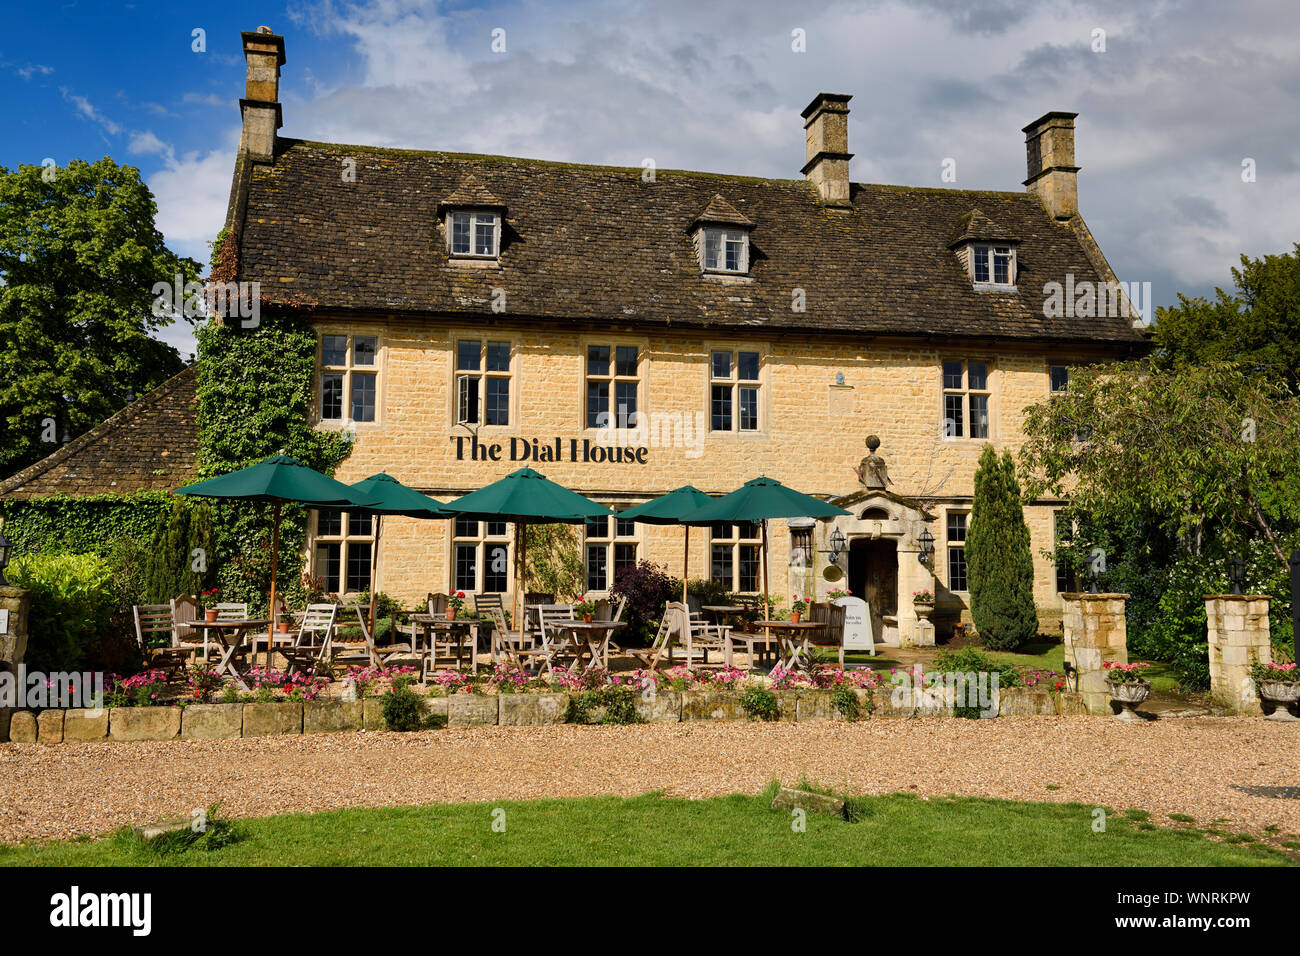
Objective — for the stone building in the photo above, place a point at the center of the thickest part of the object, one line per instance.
(626, 331)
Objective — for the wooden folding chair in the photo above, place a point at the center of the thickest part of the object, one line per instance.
(310, 650)
(554, 646)
(831, 633)
(508, 645)
(702, 637)
(661, 646)
(155, 621)
(367, 652)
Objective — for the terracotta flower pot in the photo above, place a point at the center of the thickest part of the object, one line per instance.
(586, 619)
(210, 614)
(451, 614)
(795, 616)
(282, 627)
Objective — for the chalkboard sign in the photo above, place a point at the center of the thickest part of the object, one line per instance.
(857, 624)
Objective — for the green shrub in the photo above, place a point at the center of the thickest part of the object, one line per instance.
(402, 708)
(72, 607)
(605, 705)
(760, 703)
(971, 660)
(845, 703)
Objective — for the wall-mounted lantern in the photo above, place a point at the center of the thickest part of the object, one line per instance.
(926, 556)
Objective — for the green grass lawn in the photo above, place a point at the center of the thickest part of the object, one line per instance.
(654, 830)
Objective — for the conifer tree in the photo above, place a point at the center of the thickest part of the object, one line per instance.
(999, 563)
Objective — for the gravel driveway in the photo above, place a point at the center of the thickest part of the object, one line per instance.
(1171, 766)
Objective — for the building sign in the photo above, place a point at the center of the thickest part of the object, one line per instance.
(4, 621)
(535, 450)
(857, 624)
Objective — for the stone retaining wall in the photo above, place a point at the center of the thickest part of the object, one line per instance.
(213, 721)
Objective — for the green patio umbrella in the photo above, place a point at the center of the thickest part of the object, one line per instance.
(278, 480)
(672, 508)
(525, 497)
(759, 500)
(394, 498)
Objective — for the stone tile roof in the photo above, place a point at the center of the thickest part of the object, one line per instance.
(150, 445)
(975, 226)
(721, 211)
(591, 244)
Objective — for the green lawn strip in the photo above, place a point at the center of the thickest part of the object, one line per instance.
(654, 830)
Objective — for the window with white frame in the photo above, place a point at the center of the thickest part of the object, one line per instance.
(480, 556)
(734, 556)
(966, 399)
(957, 550)
(734, 390)
(993, 264)
(725, 250)
(349, 377)
(483, 374)
(611, 548)
(344, 545)
(613, 374)
(474, 233)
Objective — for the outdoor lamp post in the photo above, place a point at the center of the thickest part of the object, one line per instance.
(5, 549)
(927, 547)
(1237, 569)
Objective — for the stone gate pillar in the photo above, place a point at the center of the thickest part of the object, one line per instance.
(1239, 637)
(15, 606)
(1096, 633)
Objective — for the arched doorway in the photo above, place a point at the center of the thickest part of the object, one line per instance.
(873, 575)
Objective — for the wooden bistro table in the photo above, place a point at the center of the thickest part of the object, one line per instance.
(431, 626)
(232, 637)
(794, 640)
(591, 637)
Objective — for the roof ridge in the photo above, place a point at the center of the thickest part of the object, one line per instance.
(114, 422)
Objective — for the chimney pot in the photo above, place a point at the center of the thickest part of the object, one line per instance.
(260, 107)
(826, 134)
(1049, 160)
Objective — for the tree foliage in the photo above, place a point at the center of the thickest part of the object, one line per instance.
(179, 553)
(79, 255)
(555, 564)
(1257, 324)
(999, 562)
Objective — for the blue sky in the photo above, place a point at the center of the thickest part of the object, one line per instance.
(1178, 97)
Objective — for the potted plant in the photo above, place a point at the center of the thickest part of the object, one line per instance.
(797, 607)
(923, 604)
(455, 603)
(1127, 686)
(1279, 684)
(209, 600)
(584, 609)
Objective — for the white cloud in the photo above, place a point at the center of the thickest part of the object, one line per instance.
(87, 110)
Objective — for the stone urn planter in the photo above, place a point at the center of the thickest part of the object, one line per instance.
(923, 610)
(1283, 695)
(1129, 694)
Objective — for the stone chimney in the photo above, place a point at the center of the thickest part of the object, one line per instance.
(260, 108)
(826, 131)
(1049, 151)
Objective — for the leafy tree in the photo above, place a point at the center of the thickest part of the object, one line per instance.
(1257, 324)
(1172, 471)
(999, 562)
(79, 256)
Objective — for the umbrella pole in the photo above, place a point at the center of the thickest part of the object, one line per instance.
(767, 605)
(374, 560)
(521, 542)
(275, 554)
(686, 562)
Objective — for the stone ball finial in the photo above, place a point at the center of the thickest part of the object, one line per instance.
(873, 442)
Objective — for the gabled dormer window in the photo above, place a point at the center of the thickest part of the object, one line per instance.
(726, 250)
(721, 235)
(993, 264)
(474, 233)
